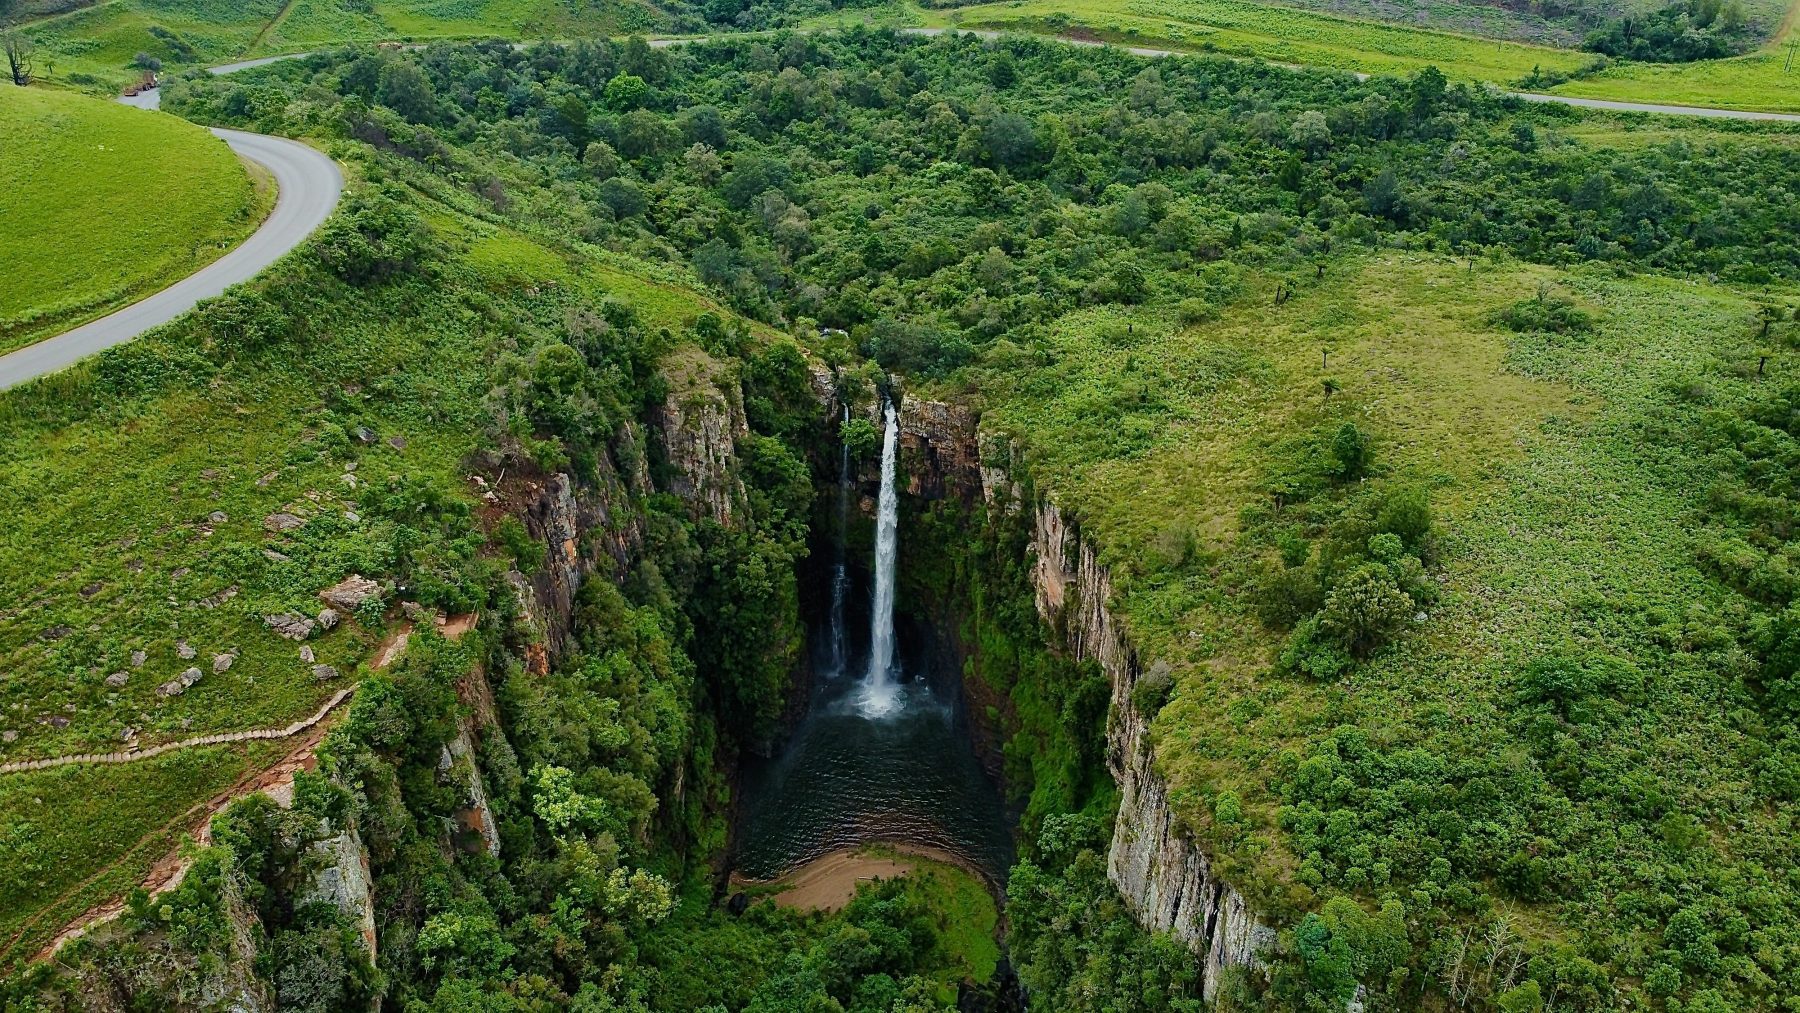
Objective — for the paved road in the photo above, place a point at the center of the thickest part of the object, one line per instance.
(308, 186)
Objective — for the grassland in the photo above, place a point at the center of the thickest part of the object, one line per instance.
(1768, 79)
(93, 47)
(1758, 81)
(159, 198)
(1566, 524)
(64, 857)
(1284, 35)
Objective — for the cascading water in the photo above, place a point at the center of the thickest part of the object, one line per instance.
(880, 694)
(840, 572)
(884, 758)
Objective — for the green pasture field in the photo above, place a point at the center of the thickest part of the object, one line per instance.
(1283, 35)
(101, 204)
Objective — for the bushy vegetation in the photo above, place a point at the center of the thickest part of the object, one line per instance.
(1680, 33)
(1453, 693)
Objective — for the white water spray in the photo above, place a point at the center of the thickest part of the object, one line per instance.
(880, 694)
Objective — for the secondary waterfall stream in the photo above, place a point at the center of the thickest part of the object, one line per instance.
(884, 758)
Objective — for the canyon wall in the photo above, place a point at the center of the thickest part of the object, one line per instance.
(1165, 879)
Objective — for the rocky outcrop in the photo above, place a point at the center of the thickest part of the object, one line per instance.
(940, 446)
(698, 427)
(1164, 878)
(474, 818)
(340, 877)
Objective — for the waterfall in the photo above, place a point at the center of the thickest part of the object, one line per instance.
(879, 692)
(840, 573)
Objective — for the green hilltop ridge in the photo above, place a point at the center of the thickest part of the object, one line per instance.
(1438, 446)
(74, 261)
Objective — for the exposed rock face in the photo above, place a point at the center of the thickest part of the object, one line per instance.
(942, 443)
(458, 767)
(342, 879)
(699, 427)
(1165, 880)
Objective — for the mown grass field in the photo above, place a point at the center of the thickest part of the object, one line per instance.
(157, 198)
(1565, 523)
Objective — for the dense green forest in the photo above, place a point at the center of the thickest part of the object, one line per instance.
(1030, 227)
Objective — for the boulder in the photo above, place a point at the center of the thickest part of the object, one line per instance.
(222, 663)
(278, 523)
(350, 592)
(217, 517)
(118, 679)
(328, 618)
(290, 625)
(138, 658)
(324, 673)
(306, 654)
(190, 676)
(174, 687)
(185, 651)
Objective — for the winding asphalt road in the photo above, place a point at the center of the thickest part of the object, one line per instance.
(308, 186)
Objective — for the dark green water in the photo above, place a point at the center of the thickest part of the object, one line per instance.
(844, 778)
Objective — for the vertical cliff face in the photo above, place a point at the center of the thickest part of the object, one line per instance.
(698, 427)
(1167, 881)
(1164, 878)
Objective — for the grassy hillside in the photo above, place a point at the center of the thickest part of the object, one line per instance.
(1284, 35)
(135, 492)
(1767, 79)
(159, 197)
(1349, 40)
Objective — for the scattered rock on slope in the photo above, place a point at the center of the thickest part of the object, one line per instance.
(351, 592)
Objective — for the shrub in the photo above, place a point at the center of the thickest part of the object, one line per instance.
(1363, 609)
(1314, 653)
(1545, 312)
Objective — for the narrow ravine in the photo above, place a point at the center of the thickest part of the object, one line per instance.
(884, 754)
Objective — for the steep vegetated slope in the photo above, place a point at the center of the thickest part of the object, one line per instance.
(1457, 545)
(72, 259)
(451, 391)
(1164, 282)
